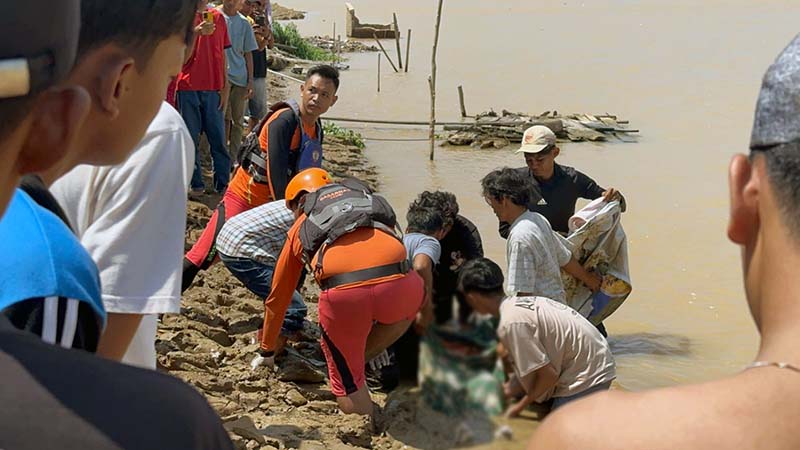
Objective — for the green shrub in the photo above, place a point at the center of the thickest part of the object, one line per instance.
(288, 35)
(349, 137)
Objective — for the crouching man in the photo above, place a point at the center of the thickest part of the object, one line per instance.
(369, 297)
(556, 353)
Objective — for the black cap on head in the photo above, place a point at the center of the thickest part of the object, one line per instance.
(38, 41)
(777, 118)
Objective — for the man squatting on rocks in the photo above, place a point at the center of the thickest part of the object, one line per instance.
(369, 297)
(288, 140)
(555, 352)
(757, 407)
(50, 303)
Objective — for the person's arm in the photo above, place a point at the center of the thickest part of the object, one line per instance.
(248, 59)
(119, 332)
(280, 133)
(250, 45)
(287, 273)
(590, 279)
(226, 87)
(423, 265)
(536, 385)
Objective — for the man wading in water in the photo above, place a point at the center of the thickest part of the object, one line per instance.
(759, 406)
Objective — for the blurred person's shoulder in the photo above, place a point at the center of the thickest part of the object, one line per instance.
(736, 412)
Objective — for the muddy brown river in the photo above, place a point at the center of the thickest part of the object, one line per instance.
(684, 72)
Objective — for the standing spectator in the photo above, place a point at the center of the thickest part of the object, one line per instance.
(202, 95)
(240, 72)
(122, 211)
(262, 27)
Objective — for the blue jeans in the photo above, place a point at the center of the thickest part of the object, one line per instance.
(561, 401)
(200, 111)
(257, 278)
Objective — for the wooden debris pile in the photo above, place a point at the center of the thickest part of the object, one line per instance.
(491, 129)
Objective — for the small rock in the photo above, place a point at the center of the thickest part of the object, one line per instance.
(312, 445)
(295, 398)
(300, 371)
(245, 428)
(322, 407)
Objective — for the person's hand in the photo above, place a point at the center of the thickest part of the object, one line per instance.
(223, 97)
(249, 89)
(612, 194)
(263, 361)
(516, 409)
(424, 318)
(205, 28)
(270, 39)
(382, 360)
(594, 282)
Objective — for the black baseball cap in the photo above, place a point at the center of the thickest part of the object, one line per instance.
(38, 42)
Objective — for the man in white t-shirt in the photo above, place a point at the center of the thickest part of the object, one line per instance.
(535, 253)
(556, 353)
(131, 218)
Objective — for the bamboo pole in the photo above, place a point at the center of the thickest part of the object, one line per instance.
(432, 80)
(333, 38)
(384, 51)
(397, 41)
(379, 72)
(461, 101)
(408, 48)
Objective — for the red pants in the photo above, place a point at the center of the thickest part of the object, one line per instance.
(203, 253)
(346, 317)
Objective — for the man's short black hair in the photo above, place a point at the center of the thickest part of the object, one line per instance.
(325, 71)
(137, 25)
(424, 220)
(783, 169)
(442, 201)
(507, 182)
(480, 275)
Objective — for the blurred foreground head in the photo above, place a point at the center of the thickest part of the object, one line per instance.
(38, 121)
(129, 51)
(765, 187)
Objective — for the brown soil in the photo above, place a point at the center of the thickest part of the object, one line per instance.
(283, 13)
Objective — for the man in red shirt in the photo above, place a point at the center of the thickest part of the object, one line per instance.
(202, 94)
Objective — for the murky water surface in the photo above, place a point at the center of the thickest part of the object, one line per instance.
(684, 72)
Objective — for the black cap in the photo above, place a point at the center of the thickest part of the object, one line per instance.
(38, 42)
(777, 119)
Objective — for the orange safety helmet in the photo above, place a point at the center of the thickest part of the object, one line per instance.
(306, 181)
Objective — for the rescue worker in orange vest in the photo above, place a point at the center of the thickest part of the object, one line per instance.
(287, 141)
(369, 296)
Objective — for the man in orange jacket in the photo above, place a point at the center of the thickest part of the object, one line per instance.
(369, 297)
(287, 141)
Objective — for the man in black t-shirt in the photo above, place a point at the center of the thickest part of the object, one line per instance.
(558, 187)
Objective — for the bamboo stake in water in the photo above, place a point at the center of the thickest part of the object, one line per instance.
(461, 101)
(432, 80)
(408, 48)
(379, 72)
(384, 51)
(397, 41)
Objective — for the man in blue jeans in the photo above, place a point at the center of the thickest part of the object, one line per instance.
(202, 93)
(249, 245)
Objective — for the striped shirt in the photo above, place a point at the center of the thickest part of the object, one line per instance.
(257, 234)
